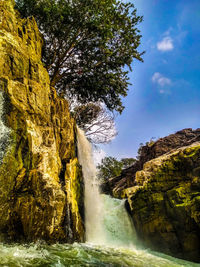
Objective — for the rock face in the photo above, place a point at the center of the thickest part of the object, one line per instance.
(41, 185)
(163, 191)
(116, 185)
(166, 144)
(165, 203)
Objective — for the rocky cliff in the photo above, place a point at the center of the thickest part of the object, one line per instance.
(116, 185)
(40, 177)
(163, 192)
(165, 203)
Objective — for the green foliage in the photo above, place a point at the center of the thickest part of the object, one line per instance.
(111, 167)
(87, 45)
(142, 147)
(127, 162)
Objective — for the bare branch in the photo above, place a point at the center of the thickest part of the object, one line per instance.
(97, 122)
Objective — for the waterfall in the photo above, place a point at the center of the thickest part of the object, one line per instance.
(4, 130)
(93, 202)
(106, 219)
(109, 233)
(118, 228)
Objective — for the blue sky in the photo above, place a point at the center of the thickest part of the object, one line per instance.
(165, 95)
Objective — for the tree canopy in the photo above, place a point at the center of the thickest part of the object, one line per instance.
(111, 167)
(88, 44)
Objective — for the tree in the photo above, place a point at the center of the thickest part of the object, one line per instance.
(111, 167)
(127, 162)
(97, 122)
(87, 45)
(143, 147)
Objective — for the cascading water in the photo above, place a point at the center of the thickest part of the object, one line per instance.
(4, 130)
(118, 228)
(109, 233)
(93, 202)
(107, 222)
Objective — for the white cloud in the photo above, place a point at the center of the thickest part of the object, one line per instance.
(161, 80)
(168, 32)
(166, 44)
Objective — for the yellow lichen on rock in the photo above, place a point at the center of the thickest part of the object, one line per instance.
(165, 205)
(34, 204)
(74, 182)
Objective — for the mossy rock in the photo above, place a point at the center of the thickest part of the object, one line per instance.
(165, 207)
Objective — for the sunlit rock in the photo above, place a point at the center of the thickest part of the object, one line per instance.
(40, 177)
(165, 203)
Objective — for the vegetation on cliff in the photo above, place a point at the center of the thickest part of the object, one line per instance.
(111, 167)
(87, 45)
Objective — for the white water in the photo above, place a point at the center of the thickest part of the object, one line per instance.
(109, 232)
(106, 219)
(110, 235)
(82, 255)
(92, 198)
(118, 229)
(4, 130)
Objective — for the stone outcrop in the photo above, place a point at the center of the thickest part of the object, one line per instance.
(163, 192)
(41, 187)
(165, 203)
(166, 144)
(116, 185)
